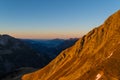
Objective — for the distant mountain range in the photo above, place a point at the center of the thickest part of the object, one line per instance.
(96, 56)
(51, 48)
(18, 56)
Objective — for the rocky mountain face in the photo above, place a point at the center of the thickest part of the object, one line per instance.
(96, 56)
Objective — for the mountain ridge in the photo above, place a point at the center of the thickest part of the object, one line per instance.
(94, 57)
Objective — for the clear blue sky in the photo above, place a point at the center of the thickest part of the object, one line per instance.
(53, 18)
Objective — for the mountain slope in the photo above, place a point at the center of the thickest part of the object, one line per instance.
(96, 56)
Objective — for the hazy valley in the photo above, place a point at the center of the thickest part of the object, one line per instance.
(20, 56)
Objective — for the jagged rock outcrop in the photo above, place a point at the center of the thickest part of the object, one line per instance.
(96, 56)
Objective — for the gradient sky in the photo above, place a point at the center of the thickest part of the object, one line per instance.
(53, 18)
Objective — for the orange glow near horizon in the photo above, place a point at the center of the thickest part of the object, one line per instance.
(45, 36)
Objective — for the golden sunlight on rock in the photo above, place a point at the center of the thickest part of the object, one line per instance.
(96, 56)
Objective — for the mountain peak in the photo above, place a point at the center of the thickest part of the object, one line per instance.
(113, 20)
(112, 24)
(6, 36)
(118, 12)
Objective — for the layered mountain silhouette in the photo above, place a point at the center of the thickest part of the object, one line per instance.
(96, 56)
(14, 54)
(18, 56)
(49, 49)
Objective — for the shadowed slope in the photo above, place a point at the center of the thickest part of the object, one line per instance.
(96, 56)
(15, 54)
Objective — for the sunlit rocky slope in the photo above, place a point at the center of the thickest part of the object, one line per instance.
(96, 56)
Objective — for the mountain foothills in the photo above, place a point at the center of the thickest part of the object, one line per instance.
(96, 56)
